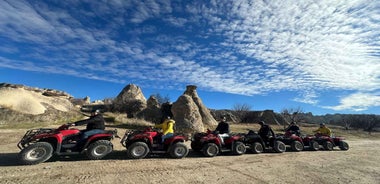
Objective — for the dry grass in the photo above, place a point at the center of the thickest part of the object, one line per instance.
(121, 120)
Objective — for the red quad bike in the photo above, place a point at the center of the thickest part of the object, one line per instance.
(257, 144)
(39, 145)
(210, 144)
(140, 143)
(309, 140)
(328, 143)
(291, 139)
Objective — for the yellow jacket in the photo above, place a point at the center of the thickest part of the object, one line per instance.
(167, 126)
(324, 131)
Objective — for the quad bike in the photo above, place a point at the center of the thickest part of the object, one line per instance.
(291, 139)
(328, 143)
(140, 143)
(39, 145)
(258, 145)
(210, 144)
(309, 140)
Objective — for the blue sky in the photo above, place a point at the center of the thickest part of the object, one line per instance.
(322, 56)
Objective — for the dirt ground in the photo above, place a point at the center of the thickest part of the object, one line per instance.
(360, 164)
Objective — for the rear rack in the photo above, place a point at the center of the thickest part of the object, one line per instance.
(29, 136)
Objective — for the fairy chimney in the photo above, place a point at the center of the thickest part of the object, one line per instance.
(130, 100)
(189, 112)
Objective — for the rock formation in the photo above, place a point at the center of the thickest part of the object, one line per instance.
(152, 112)
(189, 112)
(130, 100)
(23, 104)
(33, 101)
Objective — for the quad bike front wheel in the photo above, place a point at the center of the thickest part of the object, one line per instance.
(257, 148)
(36, 153)
(238, 148)
(314, 146)
(99, 149)
(343, 145)
(138, 150)
(327, 145)
(296, 146)
(279, 147)
(178, 150)
(210, 150)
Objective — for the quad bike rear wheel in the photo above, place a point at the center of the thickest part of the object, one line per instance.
(36, 153)
(138, 150)
(99, 149)
(257, 148)
(327, 145)
(343, 145)
(279, 147)
(238, 148)
(296, 146)
(314, 145)
(178, 150)
(210, 150)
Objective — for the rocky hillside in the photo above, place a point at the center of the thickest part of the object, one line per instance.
(19, 103)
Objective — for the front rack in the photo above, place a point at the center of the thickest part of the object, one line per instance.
(30, 134)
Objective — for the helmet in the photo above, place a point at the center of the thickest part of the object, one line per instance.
(261, 122)
(321, 124)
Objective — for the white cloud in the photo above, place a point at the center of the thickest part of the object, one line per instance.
(357, 102)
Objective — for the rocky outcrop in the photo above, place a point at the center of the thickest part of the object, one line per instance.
(229, 114)
(130, 100)
(207, 118)
(35, 101)
(187, 116)
(189, 112)
(43, 91)
(152, 112)
(22, 104)
(269, 116)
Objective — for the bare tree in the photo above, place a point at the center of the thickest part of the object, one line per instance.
(347, 121)
(292, 115)
(371, 121)
(242, 110)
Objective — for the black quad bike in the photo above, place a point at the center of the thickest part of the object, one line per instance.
(140, 143)
(39, 145)
(210, 144)
(257, 144)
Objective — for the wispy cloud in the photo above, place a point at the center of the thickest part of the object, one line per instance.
(357, 102)
(239, 47)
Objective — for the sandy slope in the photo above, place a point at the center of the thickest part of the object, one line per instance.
(358, 165)
(31, 102)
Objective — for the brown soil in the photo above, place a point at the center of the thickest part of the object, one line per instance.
(360, 164)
